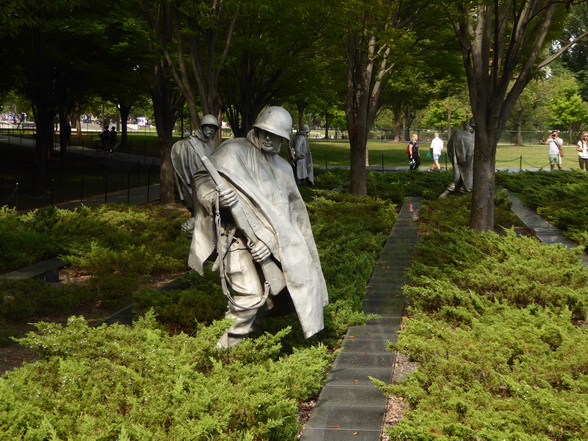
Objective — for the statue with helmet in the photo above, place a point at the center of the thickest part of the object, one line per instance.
(300, 156)
(186, 157)
(460, 149)
(250, 218)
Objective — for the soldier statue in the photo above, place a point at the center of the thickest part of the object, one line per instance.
(301, 157)
(185, 156)
(249, 214)
(460, 149)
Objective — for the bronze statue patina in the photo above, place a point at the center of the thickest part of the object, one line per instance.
(186, 157)
(301, 157)
(460, 149)
(249, 210)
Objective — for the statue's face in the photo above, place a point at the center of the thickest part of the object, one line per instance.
(270, 143)
(209, 131)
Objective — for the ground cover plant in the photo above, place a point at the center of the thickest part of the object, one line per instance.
(145, 382)
(497, 324)
(560, 197)
(114, 248)
(100, 240)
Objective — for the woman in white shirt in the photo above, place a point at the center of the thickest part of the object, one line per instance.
(583, 151)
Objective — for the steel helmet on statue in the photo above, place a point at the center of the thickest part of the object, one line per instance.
(209, 120)
(276, 120)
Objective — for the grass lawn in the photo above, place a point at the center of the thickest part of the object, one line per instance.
(336, 153)
(66, 184)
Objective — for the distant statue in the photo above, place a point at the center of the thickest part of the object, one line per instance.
(460, 149)
(249, 211)
(301, 157)
(186, 157)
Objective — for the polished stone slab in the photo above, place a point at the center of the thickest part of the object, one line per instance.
(350, 406)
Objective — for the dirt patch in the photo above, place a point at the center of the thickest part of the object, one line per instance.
(396, 407)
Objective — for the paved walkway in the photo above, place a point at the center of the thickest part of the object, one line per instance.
(131, 196)
(350, 406)
(543, 229)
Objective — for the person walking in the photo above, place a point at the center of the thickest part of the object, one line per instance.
(582, 150)
(436, 148)
(414, 157)
(555, 144)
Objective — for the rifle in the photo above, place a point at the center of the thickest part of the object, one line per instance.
(272, 273)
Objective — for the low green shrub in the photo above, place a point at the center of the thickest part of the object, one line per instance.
(190, 301)
(138, 383)
(101, 240)
(494, 324)
(23, 301)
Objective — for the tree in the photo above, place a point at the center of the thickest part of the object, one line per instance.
(381, 36)
(447, 113)
(576, 58)
(167, 98)
(528, 108)
(570, 110)
(502, 44)
(197, 49)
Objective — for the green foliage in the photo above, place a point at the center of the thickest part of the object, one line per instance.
(494, 327)
(101, 240)
(21, 243)
(453, 213)
(22, 301)
(140, 384)
(190, 300)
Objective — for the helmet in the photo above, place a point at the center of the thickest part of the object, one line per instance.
(275, 120)
(305, 128)
(209, 120)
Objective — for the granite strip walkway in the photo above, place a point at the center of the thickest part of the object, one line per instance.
(543, 229)
(350, 406)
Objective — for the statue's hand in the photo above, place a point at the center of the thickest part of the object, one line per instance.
(260, 251)
(227, 198)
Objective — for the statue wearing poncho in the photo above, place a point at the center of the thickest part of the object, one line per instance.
(269, 198)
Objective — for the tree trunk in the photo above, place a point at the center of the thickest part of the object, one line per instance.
(397, 123)
(358, 174)
(482, 210)
(43, 145)
(327, 123)
(125, 111)
(62, 140)
(300, 106)
(166, 104)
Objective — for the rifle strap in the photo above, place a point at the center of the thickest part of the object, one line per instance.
(221, 258)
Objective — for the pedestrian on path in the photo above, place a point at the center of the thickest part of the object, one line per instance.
(414, 157)
(582, 149)
(436, 148)
(555, 144)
